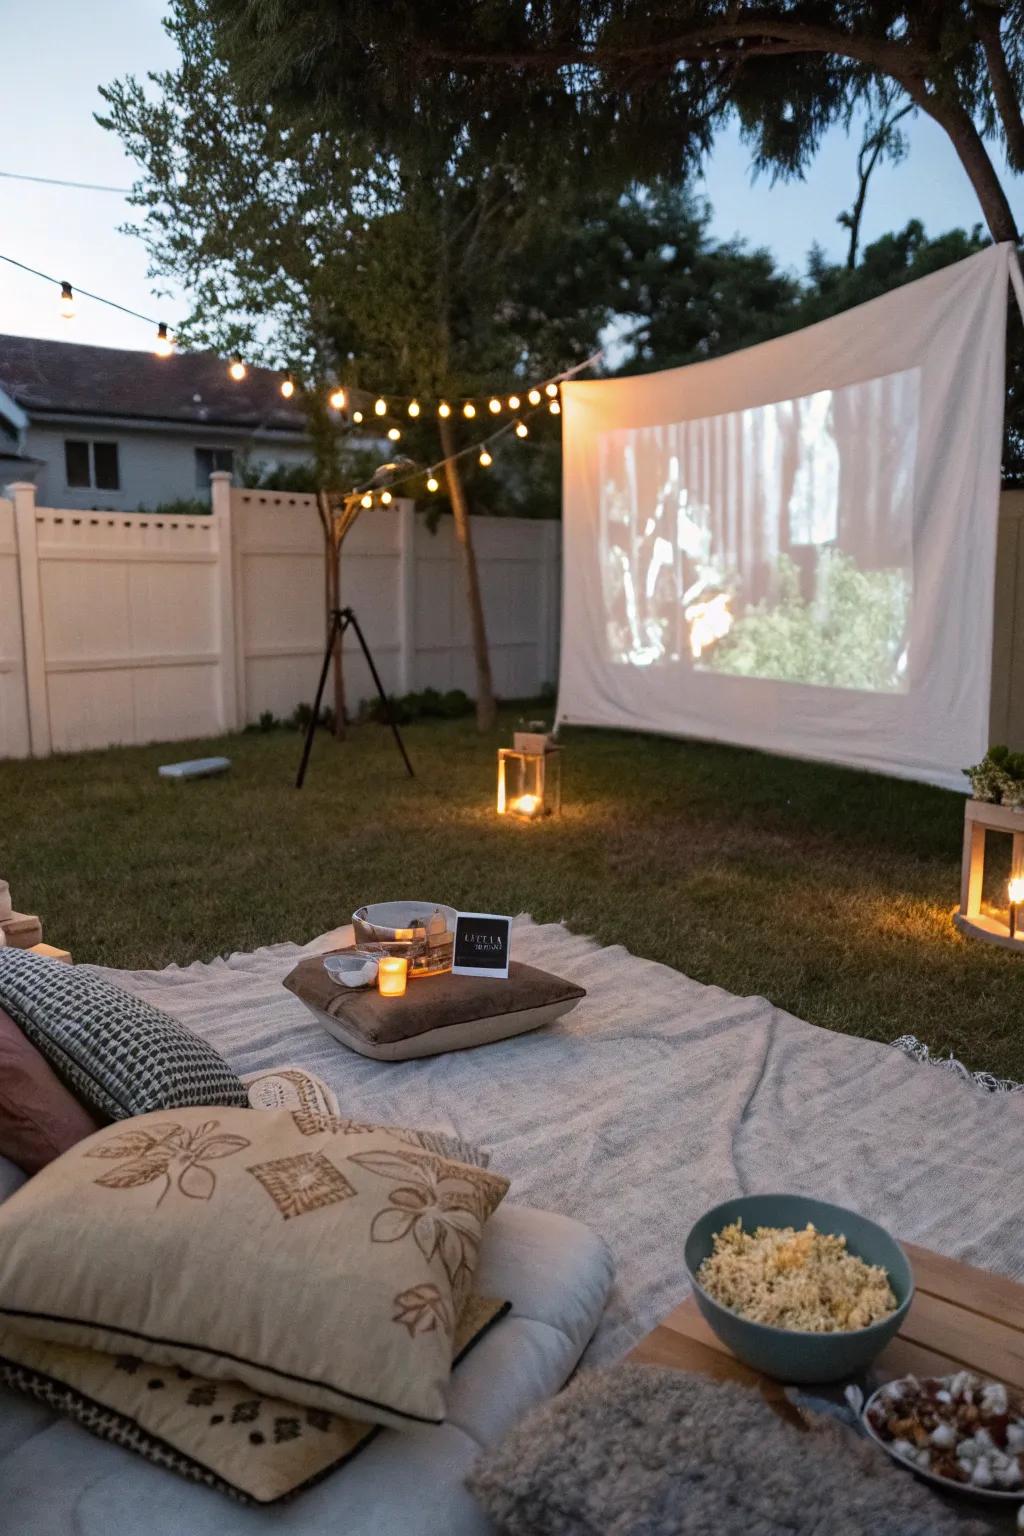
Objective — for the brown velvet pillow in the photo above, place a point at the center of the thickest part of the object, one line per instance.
(39, 1118)
(437, 1013)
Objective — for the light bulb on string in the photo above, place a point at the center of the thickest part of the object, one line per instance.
(357, 417)
(469, 410)
(494, 405)
(555, 408)
(380, 407)
(367, 500)
(521, 429)
(414, 408)
(67, 302)
(336, 400)
(551, 390)
(385, 497)
(287, 386)
(485, 458)
(394, 434)
(444, 409)
(534, 397)
(432, 482)
(163, 346)
(237, 370)
(513, 402)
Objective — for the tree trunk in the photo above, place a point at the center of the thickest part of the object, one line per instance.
(956, 122)
(486, 711)
(332, 600)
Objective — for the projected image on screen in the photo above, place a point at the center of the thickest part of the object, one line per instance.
(774, 542)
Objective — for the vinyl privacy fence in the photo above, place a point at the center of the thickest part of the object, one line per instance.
(120, 628)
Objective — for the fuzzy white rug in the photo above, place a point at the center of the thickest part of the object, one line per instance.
(656, 1098)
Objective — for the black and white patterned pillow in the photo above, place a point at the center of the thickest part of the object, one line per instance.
(119, 1054)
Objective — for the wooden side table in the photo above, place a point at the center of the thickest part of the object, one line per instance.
(960, 1317)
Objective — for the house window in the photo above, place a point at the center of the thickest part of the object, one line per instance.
(91, 466)
(209, 459)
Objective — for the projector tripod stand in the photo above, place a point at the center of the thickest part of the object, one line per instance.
(340, 620)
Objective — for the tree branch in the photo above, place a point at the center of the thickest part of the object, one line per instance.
(988, 19)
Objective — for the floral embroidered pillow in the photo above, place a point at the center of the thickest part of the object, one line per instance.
(312, 1258)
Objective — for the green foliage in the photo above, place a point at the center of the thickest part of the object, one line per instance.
(301, 715)
(621, 90)
(999, 777)
(180, 506)
(849, 635)
(427, 705)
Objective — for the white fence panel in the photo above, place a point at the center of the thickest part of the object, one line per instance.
(14, 732)
(130, 625)
(120, 628)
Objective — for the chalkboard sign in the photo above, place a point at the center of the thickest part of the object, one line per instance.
(482, 943)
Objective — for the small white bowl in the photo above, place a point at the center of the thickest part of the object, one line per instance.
(351, 970)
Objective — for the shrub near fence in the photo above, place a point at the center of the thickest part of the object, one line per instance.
(127, 628)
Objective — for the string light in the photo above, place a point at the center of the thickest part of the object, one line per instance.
(432, 482)
(469, 410)
(163, 346)
(380, 407)
(394, 434)
(414, 408)
(485, 458)
(555, 408)
(551, 389)
(385, 497)
(336, 399)
(522, 430)
(67, 302)
(367, 500)
(534, 397)
(513, 402)
(287, 386)
(444, 409)
(357, 417)
(494, 405)
(237, 370)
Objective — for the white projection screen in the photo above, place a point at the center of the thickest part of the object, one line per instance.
(793, 547)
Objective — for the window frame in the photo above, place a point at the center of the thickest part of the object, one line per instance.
(90, 445)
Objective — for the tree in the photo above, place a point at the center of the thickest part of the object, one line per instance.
(308, 250)
(627, 91)
(882, 140)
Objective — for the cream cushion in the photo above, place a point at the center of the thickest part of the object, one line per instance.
(313, 1258)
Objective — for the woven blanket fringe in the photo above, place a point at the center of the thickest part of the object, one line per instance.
(911, 1046)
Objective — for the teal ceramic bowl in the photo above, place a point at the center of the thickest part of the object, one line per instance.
(783, 1352)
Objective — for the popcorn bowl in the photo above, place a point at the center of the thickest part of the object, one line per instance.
(790, 1354)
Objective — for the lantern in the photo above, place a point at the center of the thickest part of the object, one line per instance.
(980, 817)
(530, 777)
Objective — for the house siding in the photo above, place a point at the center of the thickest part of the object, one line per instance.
(155, 466)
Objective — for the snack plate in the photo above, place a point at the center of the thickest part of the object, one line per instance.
(1000, 1495)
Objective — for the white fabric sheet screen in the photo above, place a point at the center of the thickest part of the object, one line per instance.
(793, 547)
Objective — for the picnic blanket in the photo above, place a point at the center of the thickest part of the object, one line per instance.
(654, 1099)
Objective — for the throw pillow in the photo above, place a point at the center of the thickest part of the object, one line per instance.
(437, 1013)
(290, 1088)
(647, 1449)
(118, 1054)
(308, 1257)
(257, 1449)
(39, 1119)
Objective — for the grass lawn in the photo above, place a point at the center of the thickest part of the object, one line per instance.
(827, 891)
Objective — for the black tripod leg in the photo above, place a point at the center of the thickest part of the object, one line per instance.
(333, 633)
(350, 618)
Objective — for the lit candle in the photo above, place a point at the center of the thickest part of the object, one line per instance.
(1015, 891)
(391, 974)
(526, 805)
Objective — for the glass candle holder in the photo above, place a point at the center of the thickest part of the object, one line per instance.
(391, 975)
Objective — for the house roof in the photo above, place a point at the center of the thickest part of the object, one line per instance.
(65, 378)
